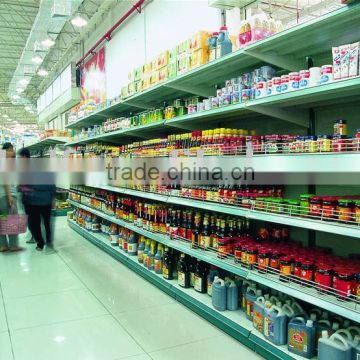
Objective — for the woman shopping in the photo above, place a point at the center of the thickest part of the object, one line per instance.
(8, 205)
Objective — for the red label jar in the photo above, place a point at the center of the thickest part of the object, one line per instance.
(263, 259)
(275, 260)
(323, 277)
(238, 252)
(252, 254)
(307, 271)
(286, 264)
(344, 283)
(315, 206)
(329, 206)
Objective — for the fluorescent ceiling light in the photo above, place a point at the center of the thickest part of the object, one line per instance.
(24, 82)
(43, 73)
(48, 43)
(37, 59)
(5, 116)
(79, 21)
(19, 90)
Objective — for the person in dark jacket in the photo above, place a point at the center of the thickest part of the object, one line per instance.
(40, 200)
(24, 190)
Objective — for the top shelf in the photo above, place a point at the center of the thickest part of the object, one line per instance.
(287, 50)
(45, 143)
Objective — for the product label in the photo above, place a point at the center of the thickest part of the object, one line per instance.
(114, 238)
(258, 321)
(298, 340)
(140, 256)
(157, 265)
(125, 245)
(249, 308)
(285, 269)
(209, 289)
(205, 241)
(95, 227)
(198, 283)
(295, 85)
(165, 271)
(268, 328)
(304, 83)
(181, 279)
(132, 248)
(192, 279)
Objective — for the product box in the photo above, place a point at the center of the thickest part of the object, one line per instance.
(172, 70)
(199, 41)
(345, 60)
(354, 59)
(147, 69)
(163, 74)
(162, 60)
(183, 47)
(183, 63)
(154, 78)
(138, 74)
(235, 42)
(131, 88)
(145, 83)
(336, 63)
(124, 92)
(198, 58)
(131, 76)
(172, 56)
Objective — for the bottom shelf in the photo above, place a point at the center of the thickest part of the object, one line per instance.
(233, 323)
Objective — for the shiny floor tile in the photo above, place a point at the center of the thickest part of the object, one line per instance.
(5, 346)
(166, 326)
(220, 347)
(90, 339)
(41, 282)
(52, 308)
(3, 323)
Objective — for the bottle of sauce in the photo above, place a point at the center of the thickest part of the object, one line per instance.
(224, 45)
(151, 255)
(205, 234)
(183, 272)
(141, 250)
(158, 259)
(146, 252)
(200, 277)
(167, 267)
(196, 231)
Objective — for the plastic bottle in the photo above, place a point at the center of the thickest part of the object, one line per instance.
(113, 235)
(88, 222)
(321, 326)
(158, 259)
(151, 256)
(146, 253)
(275, 325)
(259, 313)
(224, 45)
(244, 288)
(347, 335)
(334, 348)
(132, 244)
(141, 250)
(297, 308)
(232, 296)
(183, 272)
(356, 348)
(251, 295)
(212, 274)
(192, 272)
(95, 224)
(212, 45)
(219, 294)
(301, 337)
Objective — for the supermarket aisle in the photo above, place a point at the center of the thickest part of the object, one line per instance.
(82, 304)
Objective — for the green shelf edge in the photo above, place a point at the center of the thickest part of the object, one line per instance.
(243, 335)
(311, 298)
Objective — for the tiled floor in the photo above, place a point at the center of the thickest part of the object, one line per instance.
(82, 304)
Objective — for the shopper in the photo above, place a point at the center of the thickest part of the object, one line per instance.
(25, 189)
(8, 205)
(39, 202)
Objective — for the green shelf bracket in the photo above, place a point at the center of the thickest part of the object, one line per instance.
(288, 62)
(295, 116)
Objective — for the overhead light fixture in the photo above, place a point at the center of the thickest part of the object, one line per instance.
(20, 90)
(37, 59)
(42, 72)
(79, 21)
(5, 116)
(48, 43)
(24, 82)
(16, 97)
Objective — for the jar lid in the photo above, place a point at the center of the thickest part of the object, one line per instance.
(316, 198)
(306, 196)
(345, 202)
(286, 258)
(329, 199)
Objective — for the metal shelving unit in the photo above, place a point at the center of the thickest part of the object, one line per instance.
(350, 310)
(332, 227)
(232, 322)
(287, 49)
(47, 142)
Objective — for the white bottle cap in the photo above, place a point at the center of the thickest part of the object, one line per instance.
(324, 334)
(309, 323)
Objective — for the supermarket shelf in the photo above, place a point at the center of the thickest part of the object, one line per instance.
(307, 223)
(234, 323)
(349, 310)
(278, 106)
(50, 141)
(287, 49)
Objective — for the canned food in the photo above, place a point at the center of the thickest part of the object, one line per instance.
(294, 81)
(285, 83)
(276, 85)
(304, 78)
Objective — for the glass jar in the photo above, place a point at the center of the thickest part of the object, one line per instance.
(275, 260)
(251, 255)
(345, 209)
(305, 204)
(286, 143)
(307, 272)
(297, 267)
(329, 206)
(272, 144)
(315, 206)
(286, 265)
(340, 127)
(356, 142)
(311, 144)
(357, 211)
(344, 283)
(222, 248)
(323, 277)
(294, 207)
(263, 259)
(324, 143)
(237, 253)
(260, 204)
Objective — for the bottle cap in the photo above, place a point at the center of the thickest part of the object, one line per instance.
(309, 323)
(324, 334)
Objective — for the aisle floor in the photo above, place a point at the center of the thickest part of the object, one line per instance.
(80, 303)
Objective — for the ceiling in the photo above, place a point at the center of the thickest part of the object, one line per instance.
(16, 20)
